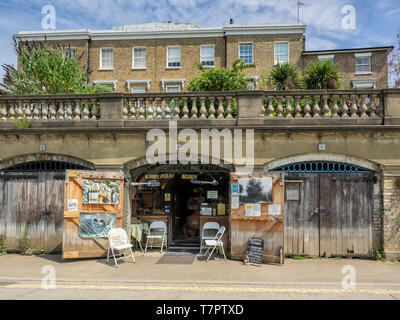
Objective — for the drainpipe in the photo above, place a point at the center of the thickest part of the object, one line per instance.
(226, 50)
(88, 60)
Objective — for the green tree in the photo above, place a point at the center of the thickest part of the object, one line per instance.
(221, 79)
(45, 69)
(284, 77)
(322, 75)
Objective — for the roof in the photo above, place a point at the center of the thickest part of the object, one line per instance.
(351, 50)
(159, 30)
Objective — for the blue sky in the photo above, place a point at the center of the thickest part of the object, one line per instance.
(377, 21)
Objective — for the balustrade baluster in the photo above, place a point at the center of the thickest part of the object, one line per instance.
(185, 110)
(220, 108)
(373, 109)
(4, 112)
(141, 109)
(85, 111)
(270, 108)
(229, 108)
(289, 108)
(364, 108)
(316, 108)
(325, 106)
(77, 110)
(212, 108)
(307, 107)
(44, 110)
(19, 111)
(279, 107)
(335, 107)
(345, 108)
(354, 107)
(94, 112)
(297, 108)
(125, 103)
(177, 110)
(168, 112)
(150, 109)
(203, 109)
(194, 110)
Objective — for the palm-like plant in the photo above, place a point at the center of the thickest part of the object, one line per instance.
(322, 75)
(284, 77)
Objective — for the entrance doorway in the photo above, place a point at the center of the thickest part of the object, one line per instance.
(329, 209)
(184, 196)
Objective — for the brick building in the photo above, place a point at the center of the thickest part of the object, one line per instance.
(160, 57)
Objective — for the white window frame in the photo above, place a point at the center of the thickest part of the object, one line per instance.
(252, 50)
(281, 42)
(105, 82)
(133, 58)
(68, 49)
(175, 82)
(327, 57)
(180, 57)
(201, 57)
(132, 83)
(173, 86)
(101, 59)
(364, 55)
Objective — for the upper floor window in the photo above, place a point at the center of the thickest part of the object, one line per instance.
(139, 58)
(174, 57)
(246, 52)
(207, 55)
(106, 58)
(173, 89)
(363, 63)
(69, 52)
(281, 50)
(326, 57)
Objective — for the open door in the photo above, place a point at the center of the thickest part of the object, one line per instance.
(93, 205)
(257, 213)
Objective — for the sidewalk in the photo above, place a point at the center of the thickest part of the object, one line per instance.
(309, 272)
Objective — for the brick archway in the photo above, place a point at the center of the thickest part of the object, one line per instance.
(37, 157)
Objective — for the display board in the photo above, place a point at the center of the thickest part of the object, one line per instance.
(255, 250)
(93, 202)
(257, 211)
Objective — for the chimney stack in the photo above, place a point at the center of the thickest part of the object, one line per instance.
(231, 21)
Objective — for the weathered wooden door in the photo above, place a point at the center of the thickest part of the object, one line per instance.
(333, 215)
(32, 203)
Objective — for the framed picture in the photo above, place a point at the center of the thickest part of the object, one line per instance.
(101, 191)
(255, 190)
(96, 225)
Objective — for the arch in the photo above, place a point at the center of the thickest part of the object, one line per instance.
(137, 163)
(329, 157)
(37, 157)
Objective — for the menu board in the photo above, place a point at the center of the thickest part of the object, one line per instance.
(255, 249)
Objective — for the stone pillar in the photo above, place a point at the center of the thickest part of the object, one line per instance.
(391, 214)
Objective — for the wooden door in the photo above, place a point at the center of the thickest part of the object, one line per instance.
(33, 205)
(266, 226)
(74, 244)
(332, 217)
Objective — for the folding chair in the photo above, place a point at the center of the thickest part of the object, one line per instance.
(207, 227)
(157, 230)
(118, 240)
(216, 243)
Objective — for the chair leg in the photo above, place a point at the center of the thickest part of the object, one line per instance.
(147, 240)
(133, 258)
(115, 260)
(211, 254)
(162, 244)
(108, 253)
(223, 252)
(201, 245)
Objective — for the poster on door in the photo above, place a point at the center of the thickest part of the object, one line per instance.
(101, 191)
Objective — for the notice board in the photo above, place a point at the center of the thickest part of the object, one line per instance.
(257, 211)
(93, 205)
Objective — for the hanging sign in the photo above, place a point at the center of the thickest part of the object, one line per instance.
(189, 176)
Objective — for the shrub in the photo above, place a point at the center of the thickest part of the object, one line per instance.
(284, 77)
(322, 75)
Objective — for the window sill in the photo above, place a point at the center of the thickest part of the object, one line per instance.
(106, 69)
(144, 68)
(172, 68)
(363, 73)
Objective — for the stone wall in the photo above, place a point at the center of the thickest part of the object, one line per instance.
(391, 216)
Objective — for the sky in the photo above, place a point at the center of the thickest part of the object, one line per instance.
(376, 21)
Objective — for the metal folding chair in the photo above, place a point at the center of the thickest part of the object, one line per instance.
(206, 229)
(216, 243)
(118, 240)
(157, 230)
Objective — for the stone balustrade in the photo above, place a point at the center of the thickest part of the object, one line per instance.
(225, 109)
(326, 104)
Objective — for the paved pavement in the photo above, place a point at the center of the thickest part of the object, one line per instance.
(29, 277)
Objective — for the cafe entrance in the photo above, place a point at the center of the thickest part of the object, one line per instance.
(183, 196)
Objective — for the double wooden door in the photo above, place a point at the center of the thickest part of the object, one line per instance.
(329, 214)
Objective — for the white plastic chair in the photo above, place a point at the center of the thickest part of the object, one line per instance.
(208, 226)
(157, 230)
(216, 243)
(118, 240)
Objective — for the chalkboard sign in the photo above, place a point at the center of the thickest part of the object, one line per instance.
(255, 250)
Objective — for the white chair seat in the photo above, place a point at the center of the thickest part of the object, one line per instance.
(208, 227)
(213, 242)
(157, 230)
(123, 246)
